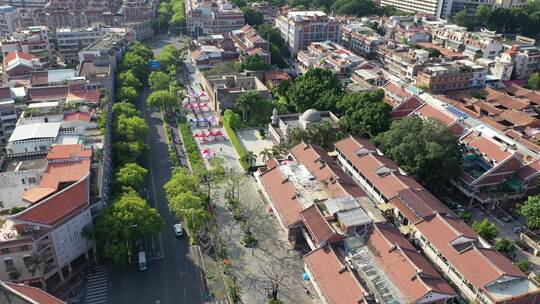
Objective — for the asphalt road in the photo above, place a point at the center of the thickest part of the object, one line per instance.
(171, 277)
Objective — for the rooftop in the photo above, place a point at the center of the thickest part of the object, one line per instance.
(35, 131)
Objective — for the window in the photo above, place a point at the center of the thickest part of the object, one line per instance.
(32, 180)
(22, 180)
(4, 250)
(27, 260)
(25, 248)
(9, 265)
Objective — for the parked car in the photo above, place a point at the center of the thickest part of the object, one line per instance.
(178, 229)
(522, 245)
(507, 219)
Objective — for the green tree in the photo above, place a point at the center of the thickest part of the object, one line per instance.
(162, 98)
(211, 178)
(185, 200)
(253, 17)
(482, 15)
(249, 158)
(128, 218)
(130, 129)
(252, 63)
(142, 50)
(365, 113)
(505, 246)
(323, 134)
(462, 19)
(486, 230)
(169, 57)
(433, 52)
(465, 216)
(524, 265)
(534, 81)
(181, 181)
(127, 94)
(159, 81)
(136, 64)
(233, 119)
(125, 109)
(128, 151)
(355, 7)
(266, 155)
(130, 175)
(128, 79)
(531, 210)
(253, 106)
(426, 149)
(318, 88)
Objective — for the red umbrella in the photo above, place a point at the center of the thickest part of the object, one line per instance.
(189, 106)
(217, 133)
(203, 105)
(198, 135)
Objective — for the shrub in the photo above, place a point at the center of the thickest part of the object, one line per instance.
(237, 145)
(190, 145)
(523, 265)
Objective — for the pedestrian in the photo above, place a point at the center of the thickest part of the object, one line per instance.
(220, 149)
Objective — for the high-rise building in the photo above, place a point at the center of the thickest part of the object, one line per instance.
(437, 8)
(10, 19)
(209, 17)
(300, 29)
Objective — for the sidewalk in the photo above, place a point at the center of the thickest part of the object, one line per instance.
(272, 255)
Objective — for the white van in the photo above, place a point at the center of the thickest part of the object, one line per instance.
(142, 260)
(178, 229)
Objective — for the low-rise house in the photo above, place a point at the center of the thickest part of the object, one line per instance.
(51, 77)
(275, 78)
(223, 91)
(329, 55)
(249, 43)
(360, 39)
(34, 40)
(281, 126)
(72, 40)
(486, 45)
(402, 100)
(402, 62)
(8, 114)
(525, 59)
(20, 65)
(444, 77)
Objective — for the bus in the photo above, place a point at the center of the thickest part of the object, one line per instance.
(142, 261)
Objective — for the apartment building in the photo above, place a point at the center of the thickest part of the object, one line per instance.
(29, 10)
(72, 40)
(361, 40)
(525, 60)
(34, 40)
(401, 61)
(437, 8)
(269, 11)
(8, 115)
(20, 65)
(300, 29)
(451, 245)
(210, 17)
(328, 55)
(441, 78)
(486, 45)
(10, 20)
(450, 36)
(77, 14)
(24, 294)
(52, 228)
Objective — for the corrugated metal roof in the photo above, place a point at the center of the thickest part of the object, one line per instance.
(38, 130)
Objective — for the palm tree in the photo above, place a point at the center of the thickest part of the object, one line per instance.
(266, 154)
(249, 158)
(243, 104)
(279, 149)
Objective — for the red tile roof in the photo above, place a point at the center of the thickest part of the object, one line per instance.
(57, 207)
(68, 151)
(276, 75)
(33, 195)
(381, 171)
(326, 169)
(317, 226)
(77, 116)
(283, 196)
(428, 111)
(85, 96)
(47, 93)
(415, 204)
(454, 239)
(64, 172)
(486, 146)
(337, 286)
(5, 93)
(18, 54)
(36, 294)
(410, 272)
(396, 90)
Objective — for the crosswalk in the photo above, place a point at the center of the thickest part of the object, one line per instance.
(97, 286)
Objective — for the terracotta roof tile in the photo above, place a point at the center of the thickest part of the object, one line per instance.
(416, 204)
(57, 207)
(488, 147)
(337, 286)
(283, 196)
(428, 111)
(36, 294)
(34, 195)
(64, 172)
(77, 116)
(411, 273)
(317, 226)
(68, 151)
(47, 93)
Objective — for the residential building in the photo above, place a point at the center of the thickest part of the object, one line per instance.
(8, 115)
(437, 8)
(77, 14)
(29, 10)
(444, 77)
(411, 34)
(50, 78)
(269, 11)
(361, 40)
(478, 73)
(281, 126)
(451, 245)
(34, 40)
(72, 40)
(524, 58)
(402, 62)
(208, 55)
(52, 228)
(300, 29)
(20, 65)
(223, 91)
(328, 55)
(486, 45)
(10, 20)
(210, 17)
(24, 294)
(402, 99)
(450, 36)
(274, 78)
(249, 42)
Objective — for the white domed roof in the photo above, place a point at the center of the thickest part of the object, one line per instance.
(311, 115)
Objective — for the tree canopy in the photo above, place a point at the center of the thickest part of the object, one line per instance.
(130, 129)
(169, 57)
(324, 134)
(128, 79)
(128, 218)
(130, 175)
(252, 63)
(253, 17)
(142, 50)
(486, 229)
(255, 108)
(426, 149)
(136, 64)
(365, 113)
(318, 88)
(159, 81)
(534, 81)
(232, 118)
(127, 94)
(531, 210)
(161, 98)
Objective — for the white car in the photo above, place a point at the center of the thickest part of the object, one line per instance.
(178, 229)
